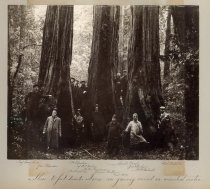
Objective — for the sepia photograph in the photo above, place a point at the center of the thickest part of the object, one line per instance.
(103, 82)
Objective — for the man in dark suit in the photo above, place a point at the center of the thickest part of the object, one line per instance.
(166, 134)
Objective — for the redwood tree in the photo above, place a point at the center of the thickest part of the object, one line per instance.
(144, 84)
(54, 75)
(104, 59)
(186, 24)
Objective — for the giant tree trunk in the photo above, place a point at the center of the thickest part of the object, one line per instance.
(104, 59)
(124, 34)
(186, 23)
(55, 62)
(120, 66)
(144, 84)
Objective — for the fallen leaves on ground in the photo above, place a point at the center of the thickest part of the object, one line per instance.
(97, 151)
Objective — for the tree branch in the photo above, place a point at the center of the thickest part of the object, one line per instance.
(34, 44)
(18, 66)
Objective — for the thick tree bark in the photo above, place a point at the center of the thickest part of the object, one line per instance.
(54, 75)
(121, 45)
(167, 45)
(104, 59)
(124, 34)
(186, 22)
(144, 84)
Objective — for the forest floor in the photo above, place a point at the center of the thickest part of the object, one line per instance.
(98, 151)
(89, 150)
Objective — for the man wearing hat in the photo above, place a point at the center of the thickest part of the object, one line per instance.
(73, 89)
(83, 94)
(113, 130)
(32, 116)
(83, 87)
(76, 83)
(97, 125)
(72, 80)
(166, 134)
(31, 103)
(52, 128)
(80, 130)
(77, 95)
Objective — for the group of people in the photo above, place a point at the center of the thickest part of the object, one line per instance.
(36, 109)
(113, 132)
(96, 132)
(93, 126)
(79, 93)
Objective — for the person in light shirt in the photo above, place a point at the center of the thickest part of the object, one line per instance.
(52, 128)
(136, 132)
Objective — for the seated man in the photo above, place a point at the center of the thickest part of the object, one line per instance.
(166, 135)
(135, 129)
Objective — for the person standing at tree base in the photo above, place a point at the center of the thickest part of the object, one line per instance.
(31, 103)
(166, 136)
(113, 136)
(97, 125)
(136, 133)
(80, 128)
(32, 117)
(52, 128)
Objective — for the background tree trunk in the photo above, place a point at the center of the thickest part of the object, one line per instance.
(104, 59)
(54, 75)
(144, 84)
(167, 45)
(12, 78)
(186, 23)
